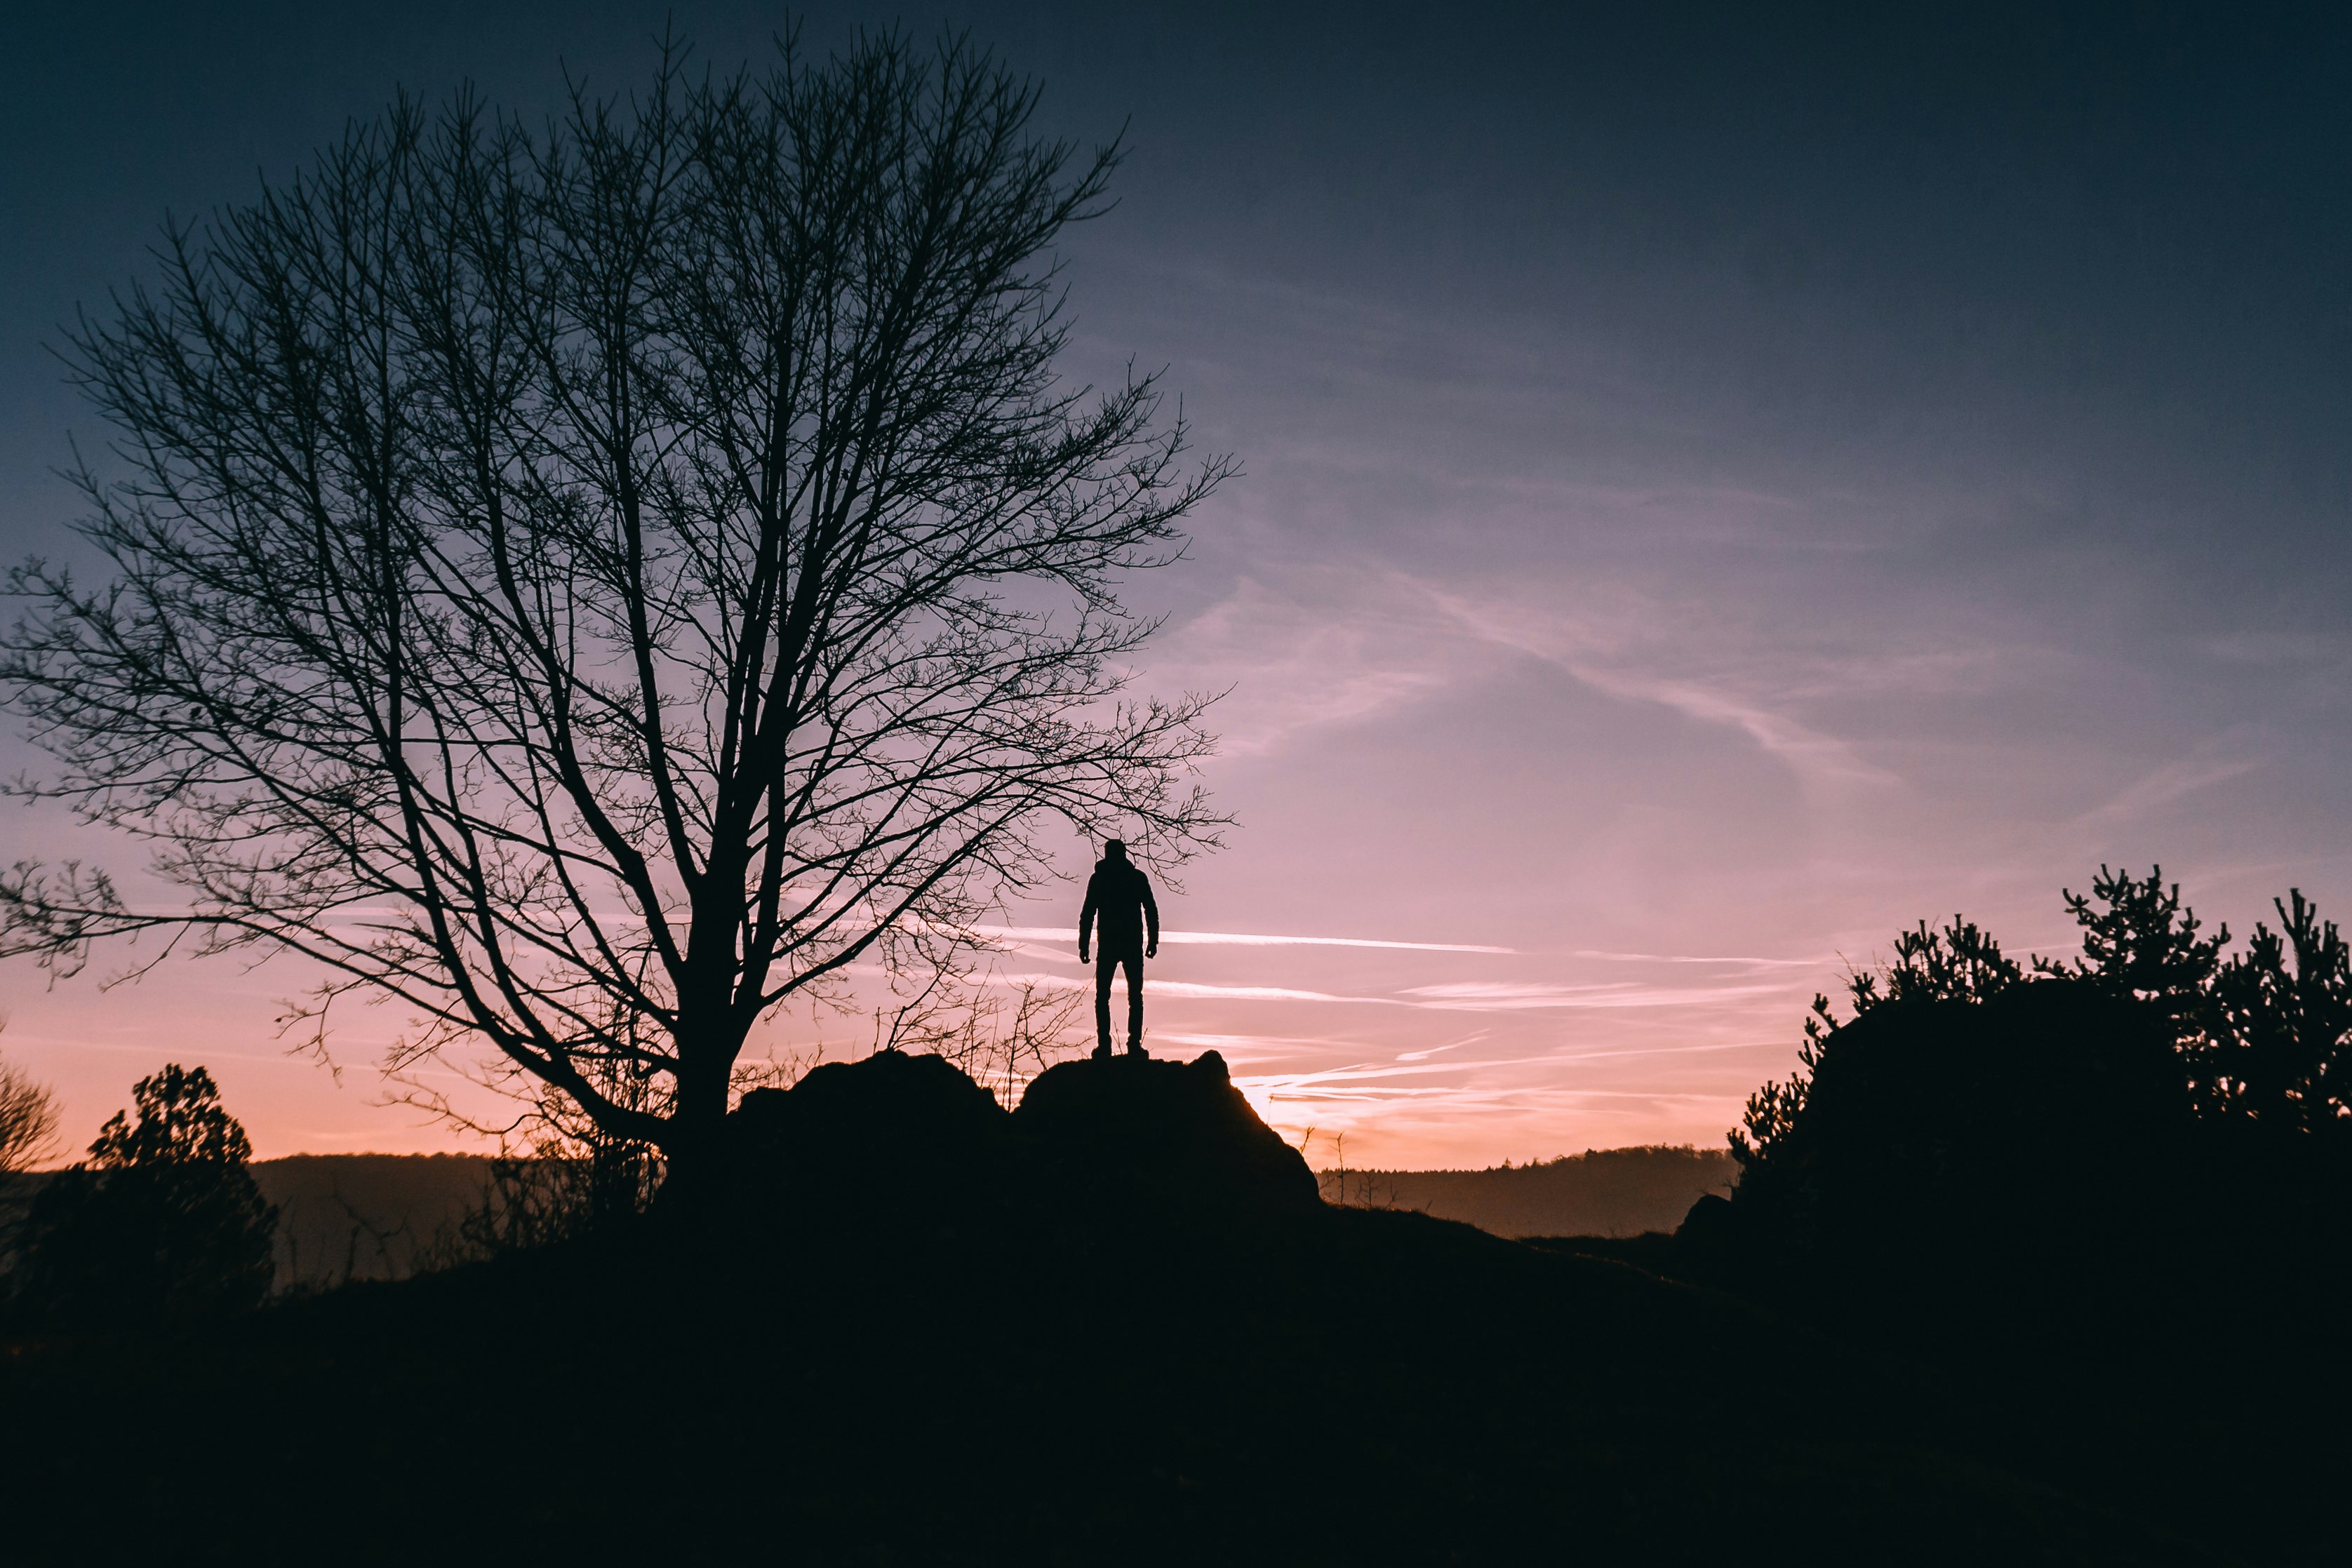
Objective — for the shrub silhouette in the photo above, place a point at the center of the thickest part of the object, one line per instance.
(164, 1220)
(2276, 1041)
(566, 1179)
(1957, 963)
(2265, 1037)
(2142, 942)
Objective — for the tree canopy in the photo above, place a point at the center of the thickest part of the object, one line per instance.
(162, 1218)
(593, 584)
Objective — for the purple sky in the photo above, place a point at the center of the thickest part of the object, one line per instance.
(1715, 494)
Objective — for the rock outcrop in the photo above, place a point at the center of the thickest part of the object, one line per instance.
(892, 1131)
(904, 1134)
(1160, 1133)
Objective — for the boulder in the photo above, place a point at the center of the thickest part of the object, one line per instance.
(898, 1136)
(891, 1129)
(1125, 1132)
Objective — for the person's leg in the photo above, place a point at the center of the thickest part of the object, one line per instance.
(1104, 965)
(1134, 962)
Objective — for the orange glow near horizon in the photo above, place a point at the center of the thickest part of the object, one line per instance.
(1388, 1043)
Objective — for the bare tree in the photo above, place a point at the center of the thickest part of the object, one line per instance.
(592, 585)
(28, 1120)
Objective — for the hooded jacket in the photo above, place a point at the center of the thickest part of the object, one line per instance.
(1118, 896)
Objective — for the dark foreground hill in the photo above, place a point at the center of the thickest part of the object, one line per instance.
(1124, 1336)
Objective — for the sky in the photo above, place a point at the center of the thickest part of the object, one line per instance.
(1720, 483)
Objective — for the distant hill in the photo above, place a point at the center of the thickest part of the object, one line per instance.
(364, 1216)
(367, 1217)
(1602, 1191)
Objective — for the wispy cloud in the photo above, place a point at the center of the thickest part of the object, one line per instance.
(2273, 647)
(1255, 993)
(1252, 1041)
(1344, 647)
(1496, 995)
(1307, 647)
(1692, 958)
(1439, 1050)
(1408, 1068)
(1244, 939)
(1476, 996)
(1199, 991)
(1625, 645)
(2161, 787)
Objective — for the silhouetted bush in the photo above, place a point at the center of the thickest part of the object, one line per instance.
(553, 1192)
(1958, 963)
(2265, 1037)
(164, 1220)
(560, 1175)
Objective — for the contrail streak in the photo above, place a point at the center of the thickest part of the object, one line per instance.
(1243, 939)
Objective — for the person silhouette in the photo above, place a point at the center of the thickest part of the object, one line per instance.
(1119, 911)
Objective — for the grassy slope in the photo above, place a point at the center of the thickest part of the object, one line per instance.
(1348, 1387)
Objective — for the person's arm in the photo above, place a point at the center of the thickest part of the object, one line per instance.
(1087, 915)
(1151, 917)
